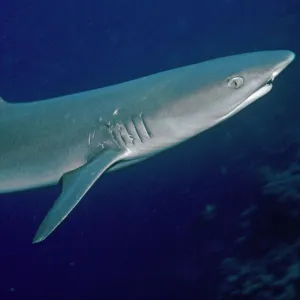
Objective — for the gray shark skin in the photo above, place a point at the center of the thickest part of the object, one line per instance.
(79, 137)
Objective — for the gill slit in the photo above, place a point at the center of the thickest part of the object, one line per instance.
(146, 128)
(136, 130)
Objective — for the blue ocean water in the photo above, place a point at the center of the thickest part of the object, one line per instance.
(165, 228)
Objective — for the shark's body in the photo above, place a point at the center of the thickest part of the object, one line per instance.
(79, 137)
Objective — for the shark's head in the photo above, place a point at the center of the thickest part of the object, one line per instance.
(219, 88)
(246, 78)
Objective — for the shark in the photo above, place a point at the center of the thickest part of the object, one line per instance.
(74, 139)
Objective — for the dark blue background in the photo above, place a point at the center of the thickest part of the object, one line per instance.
(139, 233)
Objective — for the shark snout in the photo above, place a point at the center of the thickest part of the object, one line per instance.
(285, 58)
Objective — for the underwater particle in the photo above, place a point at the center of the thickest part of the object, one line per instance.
(209, 208)
(72, 264)
(209, 212)
(249, 211)
(12, 290)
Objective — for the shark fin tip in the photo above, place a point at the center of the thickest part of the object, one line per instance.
(37, 239)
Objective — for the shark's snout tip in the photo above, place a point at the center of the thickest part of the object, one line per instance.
(283, 59)
(291, 56)
(288, 57)
(285, 56)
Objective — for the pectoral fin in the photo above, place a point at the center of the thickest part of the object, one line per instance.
(75, 185)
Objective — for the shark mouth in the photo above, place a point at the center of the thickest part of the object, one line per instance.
(263, 90)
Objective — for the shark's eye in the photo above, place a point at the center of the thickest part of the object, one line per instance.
(235, 82)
